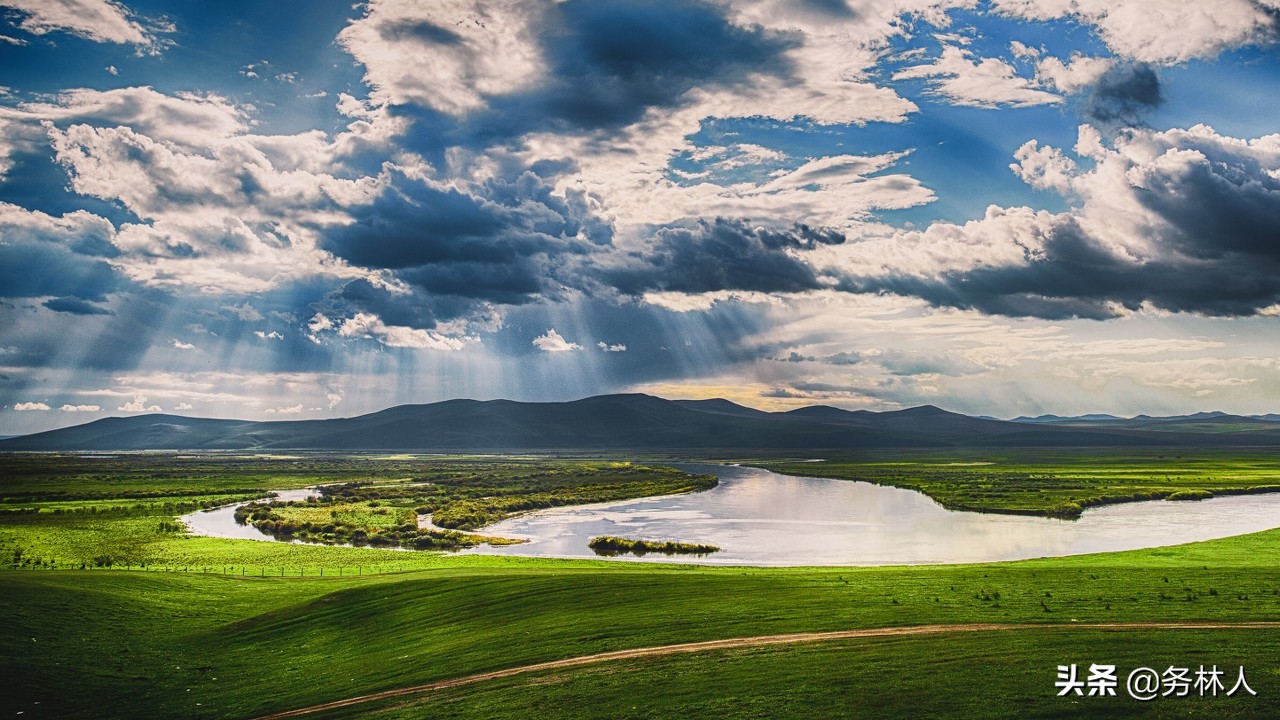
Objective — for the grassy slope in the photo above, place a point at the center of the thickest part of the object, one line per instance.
(158, 644)
(996, 675)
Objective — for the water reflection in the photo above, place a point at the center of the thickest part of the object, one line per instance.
(221, 522)
(761, 518)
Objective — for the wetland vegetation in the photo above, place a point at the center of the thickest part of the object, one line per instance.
(458, 496)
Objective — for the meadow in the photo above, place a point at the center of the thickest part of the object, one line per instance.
(1059, 482)
(199, 634)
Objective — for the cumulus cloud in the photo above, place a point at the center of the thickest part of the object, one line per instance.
(97, 20)
(80, 408)
(187, 118)
(1077, 73)
(613, 87)
(1180, 220)
(178, 344)
(552, 342)
(1172, 31)
(371, 326)
(290, 410)
(29, 406)
(1044, 168)
(575, 63)
(617, 347)
(43, 255)
(139, 405)
(463, 51)
(273, 335)
(319, 322)
(966, 80)
(183, 406)
(1123, 95)
(722, 255)
(220, 210)
(449, 250)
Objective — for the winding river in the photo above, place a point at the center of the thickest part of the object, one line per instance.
(758, 517)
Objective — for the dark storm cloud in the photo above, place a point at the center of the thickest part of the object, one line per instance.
(608, 63)
(74, 306)
(1076, 276)
(415, 309)
(34, 268)
(722, 255)
(503, 241)
(419, 30)
(834, 8)
(612, 61)
(844, 358)
(1218, 206)
(1124, 96)
(1212, 245)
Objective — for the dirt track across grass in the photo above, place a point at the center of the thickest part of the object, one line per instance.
(756, 641)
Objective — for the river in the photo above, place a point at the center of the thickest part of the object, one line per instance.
(759, 517)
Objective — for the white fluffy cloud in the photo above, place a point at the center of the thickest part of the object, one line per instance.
(288, 410)
(1169, 31)
(977, 82)
(80, 408)
(224, 221)
(138, 405)
(97, 20)
(189, 119)
(1076, 74)
(450, 55)
(368, 325)
(1044, 168)
(552, 342)
(29, 406)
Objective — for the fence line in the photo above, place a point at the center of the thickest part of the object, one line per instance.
(261, 571)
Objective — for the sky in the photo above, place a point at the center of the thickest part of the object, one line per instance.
(309, 210)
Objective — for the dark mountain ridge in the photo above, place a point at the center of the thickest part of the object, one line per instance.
(634, 421)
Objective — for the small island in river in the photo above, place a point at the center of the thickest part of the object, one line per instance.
(609, 545)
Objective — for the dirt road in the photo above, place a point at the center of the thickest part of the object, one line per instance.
(756, 641)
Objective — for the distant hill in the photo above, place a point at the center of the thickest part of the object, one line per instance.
(1216, 423)
(641, 422)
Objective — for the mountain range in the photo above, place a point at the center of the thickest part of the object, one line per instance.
(636, 421)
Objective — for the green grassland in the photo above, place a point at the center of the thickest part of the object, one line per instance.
(997, 675)
(165, 643)
(1059, 482)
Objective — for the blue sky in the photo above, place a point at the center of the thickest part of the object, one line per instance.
(279, 211)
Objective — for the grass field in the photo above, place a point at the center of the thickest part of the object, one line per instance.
(115, 643)
(1057, 482)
